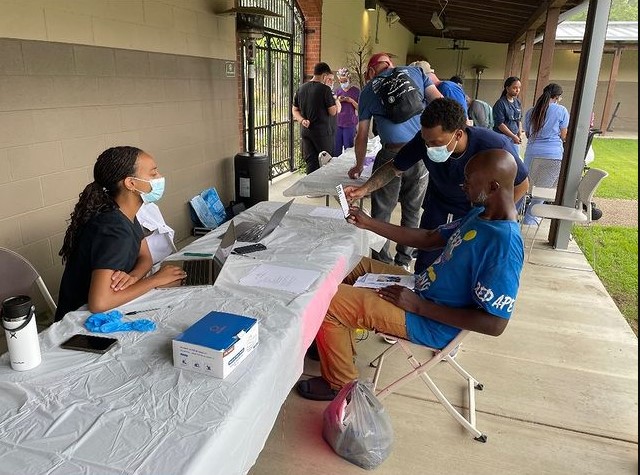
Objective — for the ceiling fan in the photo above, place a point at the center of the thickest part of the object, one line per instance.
(456, 45)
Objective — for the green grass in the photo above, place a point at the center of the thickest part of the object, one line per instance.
(616, 247)
(616, 264)
(619, 157)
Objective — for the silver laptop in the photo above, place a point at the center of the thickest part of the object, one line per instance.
(251, 232)
(206, 271)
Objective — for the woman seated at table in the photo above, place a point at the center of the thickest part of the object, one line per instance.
(106, 258)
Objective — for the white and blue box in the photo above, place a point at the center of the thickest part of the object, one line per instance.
(216, 344)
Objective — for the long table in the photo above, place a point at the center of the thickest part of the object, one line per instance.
(130, 411)
(323, 181)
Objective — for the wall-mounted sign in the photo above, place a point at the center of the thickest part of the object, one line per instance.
(230, 69)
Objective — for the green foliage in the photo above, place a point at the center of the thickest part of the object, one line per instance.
(621, 10)
(616, 264)
(619, 157)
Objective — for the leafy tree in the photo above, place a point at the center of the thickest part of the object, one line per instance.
(621, 10)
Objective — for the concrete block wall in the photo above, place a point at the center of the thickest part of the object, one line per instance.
(63, 104)
(186, 27)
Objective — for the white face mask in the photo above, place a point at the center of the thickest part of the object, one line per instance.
(442, 153)
(345, 85)
(157, 189)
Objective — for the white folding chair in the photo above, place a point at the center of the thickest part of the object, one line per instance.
(421, 369)
(586, 189)
(543, 181)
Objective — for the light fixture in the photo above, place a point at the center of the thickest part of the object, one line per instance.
(392, 17)
(370, 5)
(436, 21)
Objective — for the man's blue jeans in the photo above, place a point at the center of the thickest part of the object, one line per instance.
(408, 189)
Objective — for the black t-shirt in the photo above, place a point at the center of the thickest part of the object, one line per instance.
(314, 99)
(108, 241)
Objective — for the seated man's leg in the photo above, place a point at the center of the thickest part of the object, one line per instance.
(351, 308)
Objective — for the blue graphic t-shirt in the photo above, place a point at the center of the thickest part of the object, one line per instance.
(479, 268)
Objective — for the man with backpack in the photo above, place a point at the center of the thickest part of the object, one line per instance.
(394, 97)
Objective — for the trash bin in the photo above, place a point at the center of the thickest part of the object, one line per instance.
(251, 178)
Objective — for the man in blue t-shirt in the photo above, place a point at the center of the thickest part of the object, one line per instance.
(472, 285)
(445, 144)
(408, 189)
(447, 88)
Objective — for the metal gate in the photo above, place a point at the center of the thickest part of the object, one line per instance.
(279, 72)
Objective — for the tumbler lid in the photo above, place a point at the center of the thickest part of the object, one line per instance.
(16, 307)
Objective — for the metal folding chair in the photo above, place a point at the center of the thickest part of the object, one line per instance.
(18, 276)
(421, 369)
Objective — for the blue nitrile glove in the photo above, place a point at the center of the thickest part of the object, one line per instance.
(111, 321)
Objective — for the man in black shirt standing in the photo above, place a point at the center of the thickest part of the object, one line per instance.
(314, 105)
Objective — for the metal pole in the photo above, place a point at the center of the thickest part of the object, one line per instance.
(251, 77)
(583, 99)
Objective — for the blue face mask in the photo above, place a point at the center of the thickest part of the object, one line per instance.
(442, 153)
(345, 85)
(157, 189)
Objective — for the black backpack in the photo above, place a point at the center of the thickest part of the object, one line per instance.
(400, 96)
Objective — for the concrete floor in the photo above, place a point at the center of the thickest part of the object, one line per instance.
(560, 390)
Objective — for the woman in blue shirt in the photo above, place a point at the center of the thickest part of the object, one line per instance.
(507, 111)
(546, 128)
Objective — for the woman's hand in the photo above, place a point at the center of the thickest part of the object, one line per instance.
(120, 280)
(401, 297)
(169, 276)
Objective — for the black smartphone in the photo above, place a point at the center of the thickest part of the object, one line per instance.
(250, 248)
(91, 343)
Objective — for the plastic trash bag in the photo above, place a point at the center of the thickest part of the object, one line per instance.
(357, 426)
(209, 208)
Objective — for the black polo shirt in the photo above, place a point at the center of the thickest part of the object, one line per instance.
(108, 241)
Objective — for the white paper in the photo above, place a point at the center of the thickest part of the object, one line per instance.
(342, 199)
(378, 281)
(326, 212)
(288, 279)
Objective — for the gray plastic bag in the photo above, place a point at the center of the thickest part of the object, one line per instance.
(357, 427)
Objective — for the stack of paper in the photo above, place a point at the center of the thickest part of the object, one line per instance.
(378, 281)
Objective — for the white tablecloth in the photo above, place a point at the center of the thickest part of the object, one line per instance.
(325, 179)
(130, 411)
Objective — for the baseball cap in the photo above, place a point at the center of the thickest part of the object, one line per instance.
(378, 58)
(425, 66)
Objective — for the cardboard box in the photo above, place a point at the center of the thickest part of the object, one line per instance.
(216, 344)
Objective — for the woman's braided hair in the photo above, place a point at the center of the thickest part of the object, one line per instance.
(113, 165)
(539, 114)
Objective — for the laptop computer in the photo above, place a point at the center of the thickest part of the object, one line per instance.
(252, 232)
(206, 271)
